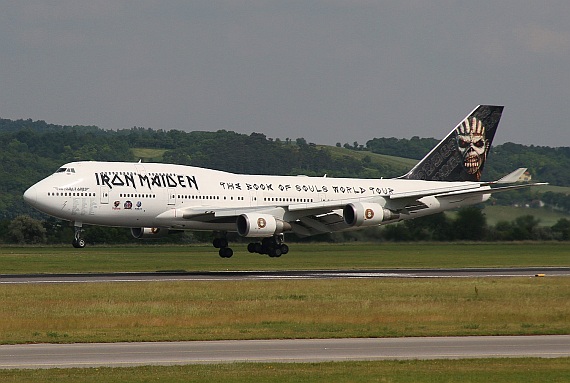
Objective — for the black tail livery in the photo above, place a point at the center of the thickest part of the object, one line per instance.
(461, 155)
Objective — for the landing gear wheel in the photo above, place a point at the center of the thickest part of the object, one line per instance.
(275, 253)
(220, 243)
(272, 246)
(226, 252)
(78, 243)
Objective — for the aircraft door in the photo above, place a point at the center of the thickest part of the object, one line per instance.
(104, 195)
(255, 196)
(141, 171)
(171, 196)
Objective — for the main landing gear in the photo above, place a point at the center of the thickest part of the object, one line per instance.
(221, 242)
(272, 246)
(78, 241)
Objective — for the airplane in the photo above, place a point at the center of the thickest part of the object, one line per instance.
(155, 199)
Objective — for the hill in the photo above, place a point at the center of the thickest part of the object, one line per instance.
(31, 150)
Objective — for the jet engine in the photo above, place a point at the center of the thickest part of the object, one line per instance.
(260, 225)
(149, 232)
(365, 214)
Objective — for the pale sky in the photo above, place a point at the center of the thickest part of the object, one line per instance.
(329, 71)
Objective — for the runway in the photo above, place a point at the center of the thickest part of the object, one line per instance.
(279, 351)
(272, 275)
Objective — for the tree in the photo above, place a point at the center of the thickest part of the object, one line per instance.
(24, 229)
(470, 224)
(562, 229)
(433, 227)
(503, 231)
(525, 228)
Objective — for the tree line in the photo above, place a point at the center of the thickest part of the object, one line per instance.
(31, 150)
(469, 224)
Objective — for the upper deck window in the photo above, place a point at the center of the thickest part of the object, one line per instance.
(65, 170)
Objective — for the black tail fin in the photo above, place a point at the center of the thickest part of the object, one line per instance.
(462, 154)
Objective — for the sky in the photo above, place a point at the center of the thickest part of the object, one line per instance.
(328, 71)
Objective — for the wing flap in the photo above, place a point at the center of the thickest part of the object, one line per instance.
(490, 190)
(318, 224)
(436, 191)
(326, 205)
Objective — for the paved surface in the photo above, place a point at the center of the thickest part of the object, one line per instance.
(264, 275)
(278, 351)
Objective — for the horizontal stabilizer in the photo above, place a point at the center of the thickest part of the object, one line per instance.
(512, 177)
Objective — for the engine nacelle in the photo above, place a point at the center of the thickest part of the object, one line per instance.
(260, 225)
(149, 232)
(363, 214)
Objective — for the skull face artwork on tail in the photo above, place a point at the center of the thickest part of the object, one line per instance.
(461, 155)
(472, 145)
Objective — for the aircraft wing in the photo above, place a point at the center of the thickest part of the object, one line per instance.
(325, 217)
(306, 219)
(313, 218)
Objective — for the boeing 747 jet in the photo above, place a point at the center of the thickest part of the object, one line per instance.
(154, 199)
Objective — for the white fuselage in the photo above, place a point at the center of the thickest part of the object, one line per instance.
(142, 194)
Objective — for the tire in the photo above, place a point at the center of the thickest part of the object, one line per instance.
(275, 253)
(79, 243)
(226, 252)
(220, 243)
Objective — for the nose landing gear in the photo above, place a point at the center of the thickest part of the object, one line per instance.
(78, 241)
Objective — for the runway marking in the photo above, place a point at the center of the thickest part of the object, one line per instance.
(283, 275)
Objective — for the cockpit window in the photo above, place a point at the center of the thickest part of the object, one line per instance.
(65, 170)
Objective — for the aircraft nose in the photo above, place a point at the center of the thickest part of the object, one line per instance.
(31, 195)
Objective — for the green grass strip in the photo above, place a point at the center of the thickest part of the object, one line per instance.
(474, 370)
(301, 257)
(336, 308)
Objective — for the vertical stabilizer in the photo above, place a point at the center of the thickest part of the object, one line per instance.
(461, 155)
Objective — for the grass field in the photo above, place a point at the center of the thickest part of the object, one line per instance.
(555, 189)
(148, 154)
(354, 255)
(496, 213)
(546, 217)
(465, 371)
(279, 309)
(377, 161)
(109, 312)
